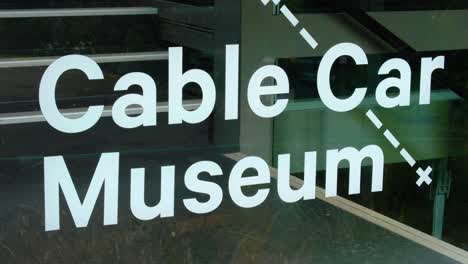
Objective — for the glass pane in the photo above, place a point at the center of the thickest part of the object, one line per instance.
(248, 149)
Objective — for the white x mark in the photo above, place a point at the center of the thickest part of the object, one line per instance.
(424, 176)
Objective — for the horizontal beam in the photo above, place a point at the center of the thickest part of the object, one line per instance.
(78, 12)
(187, 37)
(437, 96)
(202, 18)
(99, 58)
(37, 117)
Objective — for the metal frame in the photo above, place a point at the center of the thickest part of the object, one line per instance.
(37, 117)
(78, 12)
(99, 58)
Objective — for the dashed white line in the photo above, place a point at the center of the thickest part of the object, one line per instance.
(404, 153)
(310, 40)
(423, 174)
(294, 22)
(289, 15)
(374, 119)
(395, 143)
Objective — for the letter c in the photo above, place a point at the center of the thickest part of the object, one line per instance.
(323, 77)
(47, 89)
